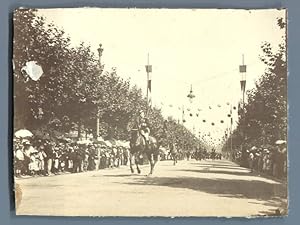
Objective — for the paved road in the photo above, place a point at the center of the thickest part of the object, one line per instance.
(191, 188)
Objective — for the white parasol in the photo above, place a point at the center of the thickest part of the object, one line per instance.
(23, 133)
(108, 143)
(280, 142)
(86, 142)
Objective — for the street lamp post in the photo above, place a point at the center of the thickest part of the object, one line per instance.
(191, 95)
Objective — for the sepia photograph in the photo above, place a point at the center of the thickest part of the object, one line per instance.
(150, 112)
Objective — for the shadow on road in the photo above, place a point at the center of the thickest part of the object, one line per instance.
(252, 189)
(270, 193)
(229, 172)
(220, 166)
(117, 175)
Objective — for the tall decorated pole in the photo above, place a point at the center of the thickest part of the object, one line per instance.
(231, 122)
(243, 70)
(100, 51)
(149, 71)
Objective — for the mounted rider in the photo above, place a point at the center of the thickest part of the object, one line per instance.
(143, 125)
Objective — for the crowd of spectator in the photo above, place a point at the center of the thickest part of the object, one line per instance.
(39, 157)
(270, 160)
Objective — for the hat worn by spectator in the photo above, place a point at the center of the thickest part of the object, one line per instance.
(280, 142)
(26, 142)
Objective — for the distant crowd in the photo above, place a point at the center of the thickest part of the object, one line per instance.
(271, 160)
(47, 157)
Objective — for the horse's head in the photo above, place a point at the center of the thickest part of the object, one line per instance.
(134, 135)
(136, 139)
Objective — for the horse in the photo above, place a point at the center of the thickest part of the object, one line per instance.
(174, 153)
(138, 147)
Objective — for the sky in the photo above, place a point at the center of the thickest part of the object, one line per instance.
(198, 47)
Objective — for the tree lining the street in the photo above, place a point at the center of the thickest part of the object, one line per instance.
(264, 119)
(74, 90)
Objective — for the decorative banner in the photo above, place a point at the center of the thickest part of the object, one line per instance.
(149, 85)
(243, 85)
(243, 68)
(148, 68)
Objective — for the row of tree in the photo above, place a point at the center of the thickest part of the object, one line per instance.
(264, 118)
(74, 89)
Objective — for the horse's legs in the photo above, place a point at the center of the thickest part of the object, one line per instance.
(137, 161)
(138, 168)
(149, 156)
(153, 158)
(131, 162)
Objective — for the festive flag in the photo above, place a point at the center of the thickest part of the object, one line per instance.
(243, 85)
(149, 85)
(243, 68)
(148, 68)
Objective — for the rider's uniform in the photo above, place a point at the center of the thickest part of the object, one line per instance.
(143, 127)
